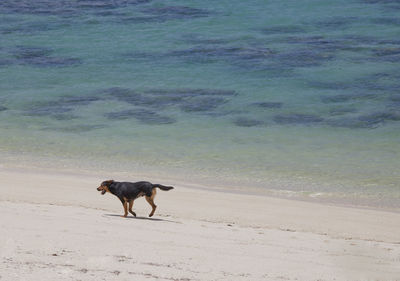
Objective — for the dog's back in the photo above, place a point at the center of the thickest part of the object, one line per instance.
(132, 190)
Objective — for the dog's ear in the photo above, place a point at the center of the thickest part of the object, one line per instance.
(107, 183)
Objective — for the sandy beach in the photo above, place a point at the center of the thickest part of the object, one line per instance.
(57, 226)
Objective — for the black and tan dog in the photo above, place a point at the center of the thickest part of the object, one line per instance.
(127, 192)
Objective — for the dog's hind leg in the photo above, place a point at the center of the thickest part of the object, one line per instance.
(130, 207)
(150, 200)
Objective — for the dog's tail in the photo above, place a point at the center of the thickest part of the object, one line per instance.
(163, 187)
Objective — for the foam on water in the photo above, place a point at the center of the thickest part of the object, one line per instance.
(294, 98)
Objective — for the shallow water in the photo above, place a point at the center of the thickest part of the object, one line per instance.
(300, 98)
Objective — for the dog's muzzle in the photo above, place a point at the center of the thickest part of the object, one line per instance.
(103, 191)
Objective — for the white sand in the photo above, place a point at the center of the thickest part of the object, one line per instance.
(58, 227)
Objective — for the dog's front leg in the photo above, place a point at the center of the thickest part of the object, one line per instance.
(125, 204)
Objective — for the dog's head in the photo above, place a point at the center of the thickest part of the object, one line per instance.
(104, 186)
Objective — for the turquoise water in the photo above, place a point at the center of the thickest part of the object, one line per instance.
(289, 98)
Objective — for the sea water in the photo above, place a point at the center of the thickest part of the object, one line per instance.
(288, 98)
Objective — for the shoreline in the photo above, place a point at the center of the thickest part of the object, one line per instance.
(337, 200)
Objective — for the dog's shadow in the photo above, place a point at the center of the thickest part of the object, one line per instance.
(141, 218)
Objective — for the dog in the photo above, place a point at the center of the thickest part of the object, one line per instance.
(127, 192)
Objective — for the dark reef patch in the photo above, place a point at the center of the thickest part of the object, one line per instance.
(31, 27)
(176, 12)
(372, 120)
(223, 113)
(142, 56)
(138, 99)
(162, 14)
(387, 21)
(383, 52)
(297, 118)
(201, 53)
(64, 8)
(191, 92)
(52, 62)
(244, 53)
(143, 115)
(209, 54)
(27, 52)
(341, 111)
(282, 29)
(246, 122)
(382, 1)
(3, 108)
(64, 116)
(201, 40)
(359, 39)
(336, 22)
(336, 98)
(5, 62)
(121, 115)
(387, 54)
(117, 91)
(366, 121)
(390, 59)
(188, 100)
(40, 57)
(381, 116)
(76, 101)
(47, 110)
(256, 58)
(107, 4)
(377, 41)
(268, 104)
(125, 95)
(352, 123)
(142, 19)
(57, 108)
(149, 103)
(368, 87)
(202, 104)
(377, 85)
(305, 57)
(315, 41)
(348, 97)
(329, 85)
(395, 98)
(253, 57)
